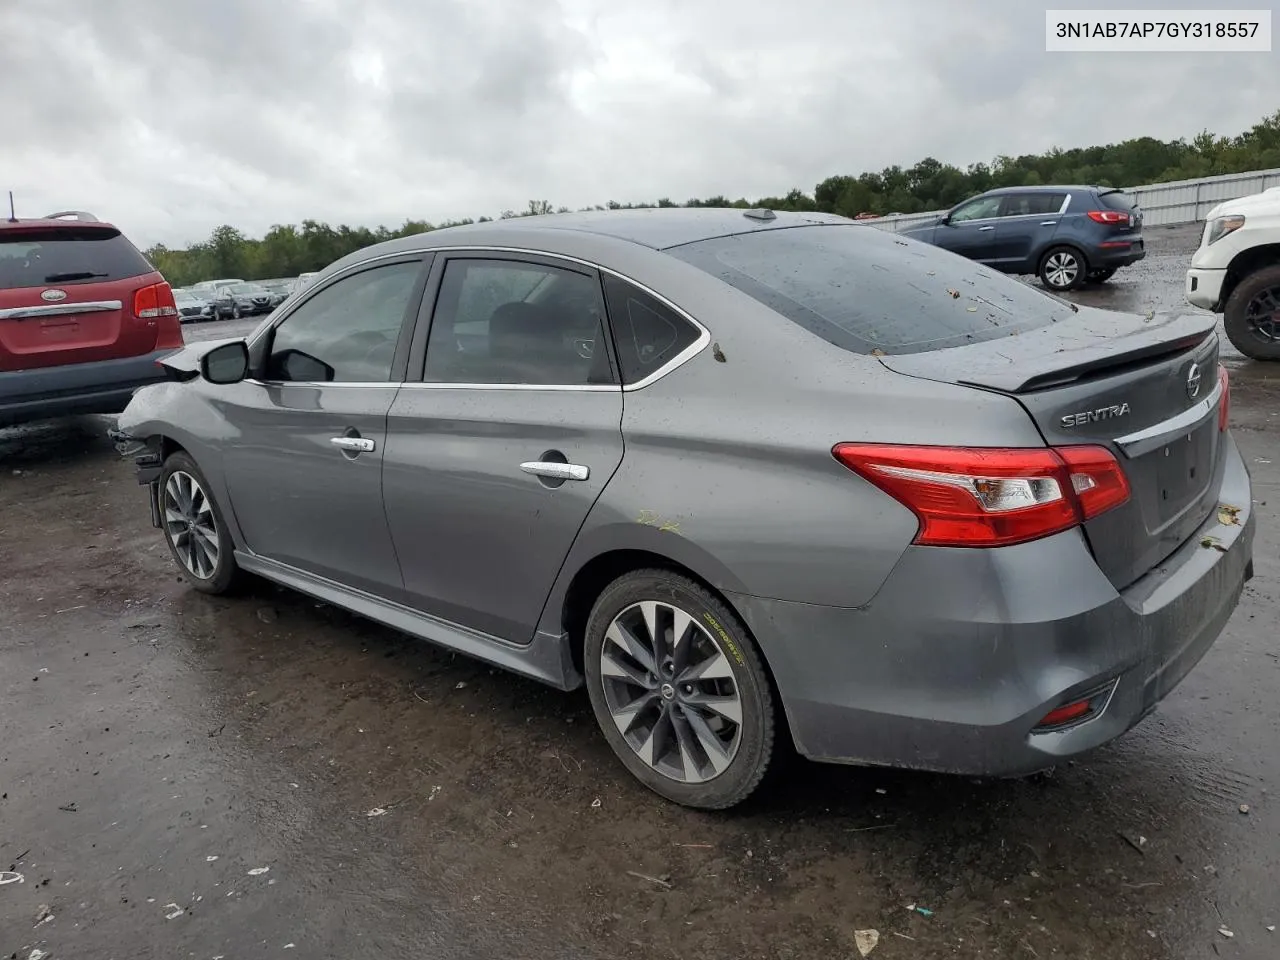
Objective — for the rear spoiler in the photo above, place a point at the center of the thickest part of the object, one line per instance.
(1086, 345)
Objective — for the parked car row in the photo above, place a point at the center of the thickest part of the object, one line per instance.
(231, 299)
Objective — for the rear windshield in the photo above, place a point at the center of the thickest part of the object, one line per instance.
(865, 289)
(67, 256)
(1117, 200)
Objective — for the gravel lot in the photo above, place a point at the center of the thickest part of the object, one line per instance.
(262, 776)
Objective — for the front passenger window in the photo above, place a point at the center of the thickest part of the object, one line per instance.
(347, 332)
(982, 208)
(514, 322)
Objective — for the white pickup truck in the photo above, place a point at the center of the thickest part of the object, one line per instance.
(1236, 272)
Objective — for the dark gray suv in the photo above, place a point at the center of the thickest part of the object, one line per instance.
(1067, 236)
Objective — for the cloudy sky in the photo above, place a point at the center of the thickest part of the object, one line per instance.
(169, 117)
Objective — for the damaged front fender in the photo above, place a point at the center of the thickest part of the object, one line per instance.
(148, 460)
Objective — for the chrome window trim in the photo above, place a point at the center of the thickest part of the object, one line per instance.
(380, 384)
(558, 387)
(684, 356)
(60, 309)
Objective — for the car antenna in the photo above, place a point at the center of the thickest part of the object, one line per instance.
(13, 217)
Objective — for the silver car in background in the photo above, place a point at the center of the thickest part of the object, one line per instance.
(742, 474)
(195, 306)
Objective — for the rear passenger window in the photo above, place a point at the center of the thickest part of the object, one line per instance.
(1032, 204)
(648, 334)
(513, 322)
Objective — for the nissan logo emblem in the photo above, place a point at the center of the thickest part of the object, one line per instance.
(53, 296)
(1193, 381)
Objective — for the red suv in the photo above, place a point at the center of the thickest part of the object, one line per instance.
(83, 318)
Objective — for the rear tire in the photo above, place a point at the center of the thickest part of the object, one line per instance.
(1063, 268)
(194, 528)
(1252, 314)
(690, 715)
(1101, 276)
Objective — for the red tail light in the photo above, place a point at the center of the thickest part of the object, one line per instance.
(154, 301)
(1108, 216)
(1224, 401)
(156, 305)
(990, 497)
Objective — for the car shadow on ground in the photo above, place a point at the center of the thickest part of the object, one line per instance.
(60, 442)
(1124, 832)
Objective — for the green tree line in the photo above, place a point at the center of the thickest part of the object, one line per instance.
(287, 250)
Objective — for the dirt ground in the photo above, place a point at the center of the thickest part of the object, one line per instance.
(263, 776)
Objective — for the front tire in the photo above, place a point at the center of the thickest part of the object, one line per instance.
(1252, 315)
(194, 528)
(679, 690)
(1062, 269)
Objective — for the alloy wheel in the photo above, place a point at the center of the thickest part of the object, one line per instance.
(190, 524)
(1061, 269)
(1263, 315)
(671, 692)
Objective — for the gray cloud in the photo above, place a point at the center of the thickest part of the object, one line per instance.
(172, 116)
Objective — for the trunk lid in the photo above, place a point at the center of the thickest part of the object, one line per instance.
(66, 296)
(1145, 387)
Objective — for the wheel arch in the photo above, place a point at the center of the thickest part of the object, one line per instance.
(1243, 264)
(1053, 245)
(582, 582)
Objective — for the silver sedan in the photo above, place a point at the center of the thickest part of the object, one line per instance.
(744, 475)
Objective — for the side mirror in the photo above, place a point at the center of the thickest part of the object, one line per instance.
(228, 363)
(944, 220)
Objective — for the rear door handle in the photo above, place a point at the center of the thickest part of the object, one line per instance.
(552, 470)
(985, 228)
(1048, 223)
(353, 444)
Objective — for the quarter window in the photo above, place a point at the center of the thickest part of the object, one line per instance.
(648, 334)
(348, 331)
(514, 322)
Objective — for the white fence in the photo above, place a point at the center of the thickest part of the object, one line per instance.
(1180, 201)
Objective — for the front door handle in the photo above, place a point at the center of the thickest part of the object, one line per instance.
(353, 444)
(980, 229)
(551, 470)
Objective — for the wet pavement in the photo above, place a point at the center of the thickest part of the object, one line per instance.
(159, 749)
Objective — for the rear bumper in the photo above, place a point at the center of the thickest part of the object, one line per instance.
(78, 388)
(1204, 288)
(1120, 256)
(963, 652)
